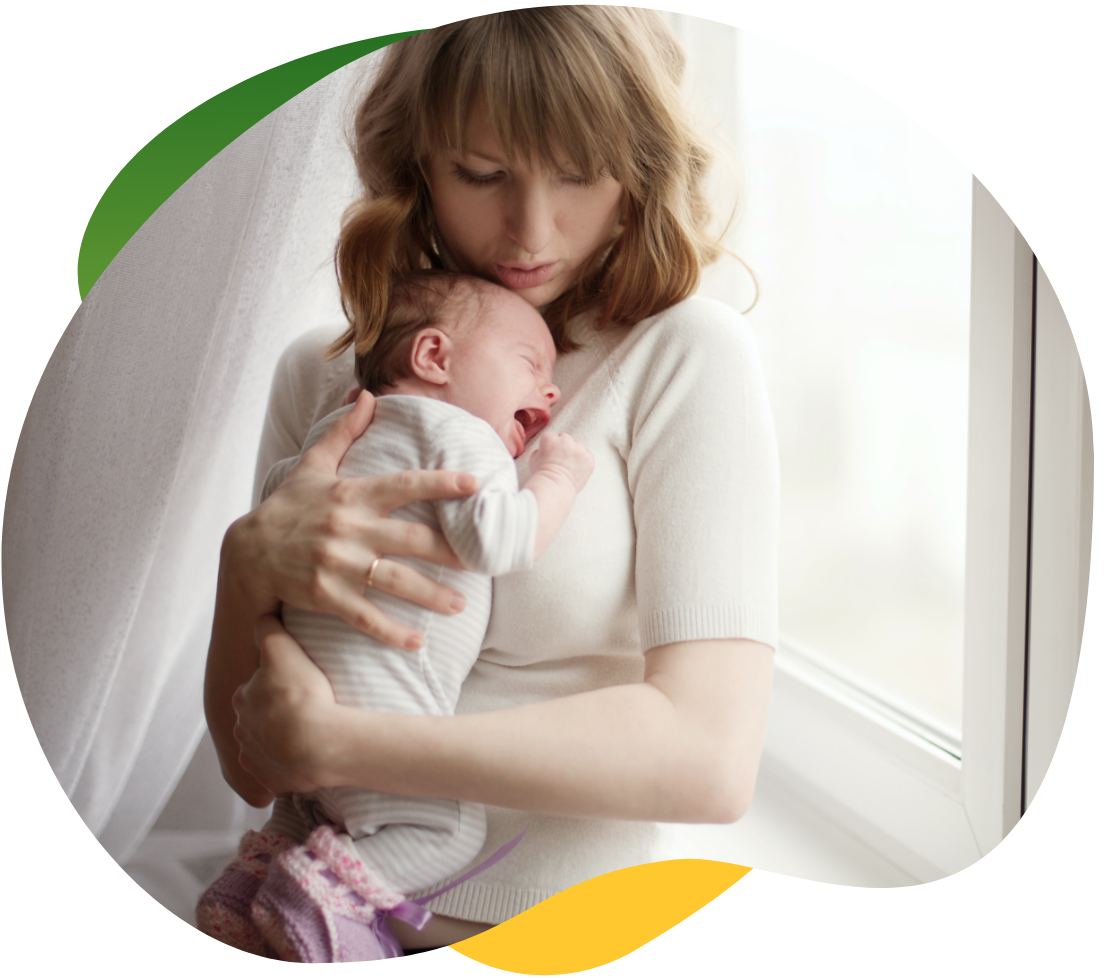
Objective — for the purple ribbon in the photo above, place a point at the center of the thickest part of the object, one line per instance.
(486, 864)
(413, 912)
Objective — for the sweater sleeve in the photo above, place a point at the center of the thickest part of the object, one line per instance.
(305, 388)
(703, 474)
(493, 531)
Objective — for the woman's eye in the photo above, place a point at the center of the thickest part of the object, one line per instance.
(475, 179)
(578, 180)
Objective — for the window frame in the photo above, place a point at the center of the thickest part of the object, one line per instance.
(866, 764)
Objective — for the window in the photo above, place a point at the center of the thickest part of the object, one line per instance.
(901, 322)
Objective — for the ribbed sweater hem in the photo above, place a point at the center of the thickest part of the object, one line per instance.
(701, 622)
(486, 903)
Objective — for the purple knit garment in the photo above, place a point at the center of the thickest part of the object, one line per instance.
(313, 933)
(234, 892)
(305, 925)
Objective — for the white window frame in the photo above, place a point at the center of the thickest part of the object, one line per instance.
(929, 800)
(927, 804)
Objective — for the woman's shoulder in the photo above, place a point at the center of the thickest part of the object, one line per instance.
(305, 356)
(306, 387)
(307, 383)
(696, 329)
(697, 318)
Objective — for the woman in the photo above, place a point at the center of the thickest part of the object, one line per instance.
(625, 679)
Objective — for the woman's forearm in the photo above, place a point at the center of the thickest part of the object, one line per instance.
(682, 746)
(231, 660)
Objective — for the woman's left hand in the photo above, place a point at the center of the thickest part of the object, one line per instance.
(286, 714)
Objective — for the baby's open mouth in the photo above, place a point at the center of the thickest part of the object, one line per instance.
(530, 421)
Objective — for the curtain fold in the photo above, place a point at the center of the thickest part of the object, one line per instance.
(138, 451)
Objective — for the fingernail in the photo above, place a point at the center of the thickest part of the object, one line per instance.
(466, 483)
(457, 603)
(414, 642)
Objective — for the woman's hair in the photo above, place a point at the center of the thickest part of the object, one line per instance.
(599, 85)
(414, 301)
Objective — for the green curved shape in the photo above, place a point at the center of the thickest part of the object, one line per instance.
(160, 167)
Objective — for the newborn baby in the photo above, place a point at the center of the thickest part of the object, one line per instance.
(462, 373)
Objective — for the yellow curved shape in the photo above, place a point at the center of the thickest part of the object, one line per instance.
(602, 919)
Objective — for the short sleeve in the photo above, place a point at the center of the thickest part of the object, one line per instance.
(493, 531)
(305, 388)
(703, 474)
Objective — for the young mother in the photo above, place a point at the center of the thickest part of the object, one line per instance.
(625, 680)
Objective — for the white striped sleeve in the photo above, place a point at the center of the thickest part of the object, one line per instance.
(494, 531)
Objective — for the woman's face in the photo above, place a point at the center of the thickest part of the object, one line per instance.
(521, 224)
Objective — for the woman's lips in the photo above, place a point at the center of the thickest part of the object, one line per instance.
(524, 276)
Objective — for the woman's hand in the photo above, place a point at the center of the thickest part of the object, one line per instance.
(284, 715)
(313, 542)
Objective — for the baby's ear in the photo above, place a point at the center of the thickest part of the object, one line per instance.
(430, 355)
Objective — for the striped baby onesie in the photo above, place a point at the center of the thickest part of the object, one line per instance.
(414, 842)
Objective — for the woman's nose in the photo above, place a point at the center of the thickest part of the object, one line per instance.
(531, 222)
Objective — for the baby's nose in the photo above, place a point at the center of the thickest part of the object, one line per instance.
(551, 392)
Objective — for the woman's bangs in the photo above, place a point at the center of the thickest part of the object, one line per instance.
(557, 132)
(552, 113)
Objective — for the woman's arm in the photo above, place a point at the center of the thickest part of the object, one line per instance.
(311, 544)
(681, 746)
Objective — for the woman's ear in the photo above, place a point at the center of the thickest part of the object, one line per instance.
(430, 356)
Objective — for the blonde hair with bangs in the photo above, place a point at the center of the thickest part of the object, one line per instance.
(599, 85)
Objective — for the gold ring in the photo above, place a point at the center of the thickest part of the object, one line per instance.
(372, 570)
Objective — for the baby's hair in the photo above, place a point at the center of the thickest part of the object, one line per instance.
(414, 301)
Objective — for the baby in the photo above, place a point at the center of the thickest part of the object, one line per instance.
(462, 371)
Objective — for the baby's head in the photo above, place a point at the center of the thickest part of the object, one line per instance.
(468, 342)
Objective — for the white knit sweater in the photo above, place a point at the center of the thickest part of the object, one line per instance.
(674, 539)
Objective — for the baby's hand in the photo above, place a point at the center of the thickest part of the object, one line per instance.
(561, 456)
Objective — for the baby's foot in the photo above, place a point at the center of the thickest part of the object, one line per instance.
(223, 910)
(321, 903)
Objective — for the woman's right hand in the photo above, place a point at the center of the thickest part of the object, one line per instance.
(282, 715)
(312, 543)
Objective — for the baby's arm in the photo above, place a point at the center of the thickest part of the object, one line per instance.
(560, 467)
(500, 529)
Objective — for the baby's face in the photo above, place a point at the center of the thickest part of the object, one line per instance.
(501, 367)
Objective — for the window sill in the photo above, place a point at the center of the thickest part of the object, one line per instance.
(871, 775)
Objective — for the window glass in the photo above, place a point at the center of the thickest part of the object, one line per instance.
(856, 223)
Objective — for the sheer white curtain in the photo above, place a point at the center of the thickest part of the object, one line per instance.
(138, 451)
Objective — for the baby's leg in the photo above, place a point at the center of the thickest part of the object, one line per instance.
(328, 899)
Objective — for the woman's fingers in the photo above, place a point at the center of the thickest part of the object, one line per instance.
(392, 491)
(403, 582)
(312, 542)
(356, 610)
(402, 538)
(332, 446)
